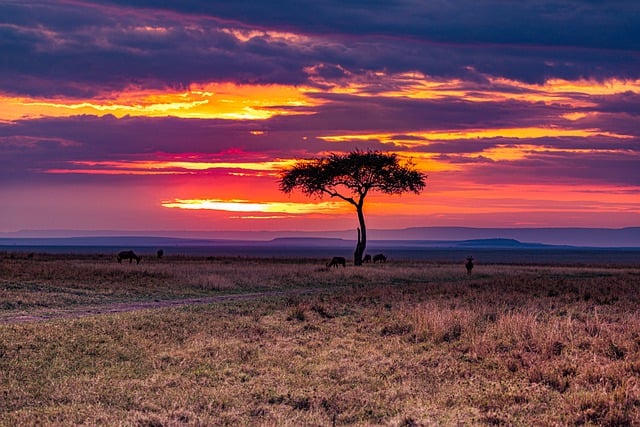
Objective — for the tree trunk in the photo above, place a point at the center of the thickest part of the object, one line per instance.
(362, 239)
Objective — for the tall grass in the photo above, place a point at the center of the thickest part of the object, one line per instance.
(402, 344)
(54, 281)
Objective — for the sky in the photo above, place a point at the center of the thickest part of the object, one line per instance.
(179, 115)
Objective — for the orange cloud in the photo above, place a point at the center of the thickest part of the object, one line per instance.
(151, 167)
(423, 138)
(416, 85)
(110, 172)
(226, 100)
(207, 101)
(247, 35)
(248, 206)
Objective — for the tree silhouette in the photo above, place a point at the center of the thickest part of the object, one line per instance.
(351, 177)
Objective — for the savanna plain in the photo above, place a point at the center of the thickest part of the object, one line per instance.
(404, 343)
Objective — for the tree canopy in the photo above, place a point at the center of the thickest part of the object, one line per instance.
(351, 177)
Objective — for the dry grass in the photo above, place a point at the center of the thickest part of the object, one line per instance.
(58, 281)
(406, 344)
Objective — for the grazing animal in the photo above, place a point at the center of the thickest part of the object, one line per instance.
(366, 259)
(336, 261)
(130, 255)
(160, 253)
(469, 264)
(379, 258)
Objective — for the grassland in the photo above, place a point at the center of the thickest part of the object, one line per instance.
(406, 343)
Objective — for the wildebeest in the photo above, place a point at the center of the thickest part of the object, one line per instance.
(367, 258)
(336, 261)
(130, 255)
(160, 253)
(379, 258)
(469, 264)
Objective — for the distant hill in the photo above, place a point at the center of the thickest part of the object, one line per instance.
(276, 244)
(499, 243)
(108, 241)
(382, 244)
(422, 236)
(586, 237)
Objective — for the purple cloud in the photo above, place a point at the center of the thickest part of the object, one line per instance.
(84, 49)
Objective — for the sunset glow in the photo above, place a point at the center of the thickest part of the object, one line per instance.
(247, 206)
(203, 101)
(521, 133)
(161, 167)
(178, 116)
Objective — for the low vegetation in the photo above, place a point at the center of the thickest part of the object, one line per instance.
(403, 344)
(58, 281)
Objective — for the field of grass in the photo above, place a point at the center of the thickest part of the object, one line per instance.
(406, 343)
(48, 282)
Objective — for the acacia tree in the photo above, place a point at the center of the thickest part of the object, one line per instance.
(351, 177)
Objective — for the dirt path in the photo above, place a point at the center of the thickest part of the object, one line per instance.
(96, 310)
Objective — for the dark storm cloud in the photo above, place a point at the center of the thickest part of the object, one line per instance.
(84, 48)
(579, 23)
(110, 50)
(527, 40)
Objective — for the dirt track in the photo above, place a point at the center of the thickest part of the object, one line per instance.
(96, 310)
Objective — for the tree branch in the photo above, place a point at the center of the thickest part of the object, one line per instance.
(340, 196)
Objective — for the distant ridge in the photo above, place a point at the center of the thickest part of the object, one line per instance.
(500, 243)
(563, 236)
(275, 244)
(586, 237)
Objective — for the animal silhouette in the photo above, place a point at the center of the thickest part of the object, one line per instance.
(469, 264)
(336, 261)
(130, 255)
(366, 259)
(160, 253)
(379, 258)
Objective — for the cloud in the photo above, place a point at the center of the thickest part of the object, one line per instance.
(194, 100)
(569, 22)
(81, 49)
(542, 167)
(626, 102)
(259, 207)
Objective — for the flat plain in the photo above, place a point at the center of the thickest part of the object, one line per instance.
(409, 342)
